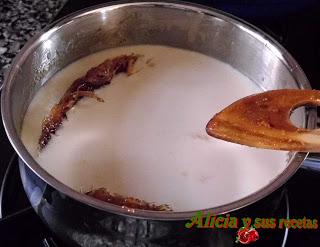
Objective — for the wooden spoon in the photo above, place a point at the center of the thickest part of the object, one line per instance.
(263, 121)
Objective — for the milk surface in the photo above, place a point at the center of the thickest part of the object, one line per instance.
(148, 138)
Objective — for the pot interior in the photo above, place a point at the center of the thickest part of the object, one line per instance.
(208, 32)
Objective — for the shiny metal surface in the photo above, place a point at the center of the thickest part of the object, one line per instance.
(200, 29)
(79, 224)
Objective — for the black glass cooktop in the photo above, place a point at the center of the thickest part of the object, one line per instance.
(296, 25)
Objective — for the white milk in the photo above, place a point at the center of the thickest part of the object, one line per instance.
(148, 138)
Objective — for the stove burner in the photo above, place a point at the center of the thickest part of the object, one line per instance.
(17, 215)
(12, 196)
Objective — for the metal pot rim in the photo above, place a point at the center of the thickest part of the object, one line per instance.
(283, 55)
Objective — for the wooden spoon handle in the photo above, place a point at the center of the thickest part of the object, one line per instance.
(263, 121)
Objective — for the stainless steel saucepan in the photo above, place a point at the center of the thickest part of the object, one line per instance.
(80, 219)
